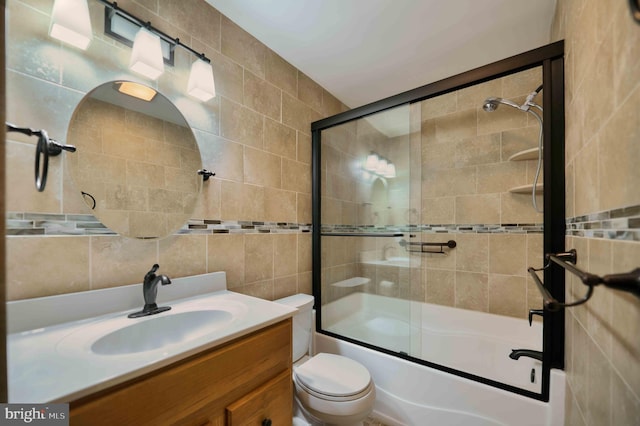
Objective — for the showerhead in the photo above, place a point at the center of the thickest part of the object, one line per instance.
(492, 103)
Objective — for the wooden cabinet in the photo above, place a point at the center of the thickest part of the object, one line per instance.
(241, 383)
(269, 404)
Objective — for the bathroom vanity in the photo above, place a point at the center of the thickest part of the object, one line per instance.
(216, 357)
(244, 382)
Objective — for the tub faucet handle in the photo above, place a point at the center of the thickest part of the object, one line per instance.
(533, 312)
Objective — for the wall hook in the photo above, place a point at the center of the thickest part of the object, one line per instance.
(206, 174)
(93, 200)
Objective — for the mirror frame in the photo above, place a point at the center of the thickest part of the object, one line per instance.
(551, 59)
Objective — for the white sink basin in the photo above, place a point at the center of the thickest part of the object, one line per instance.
(118, 335)
(160, 331)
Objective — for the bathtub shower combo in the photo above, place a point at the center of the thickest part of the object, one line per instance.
(427, 212)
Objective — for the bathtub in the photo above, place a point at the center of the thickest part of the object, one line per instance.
(412, 394)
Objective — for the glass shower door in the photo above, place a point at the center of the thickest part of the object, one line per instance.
(368, 210)
(428, 214)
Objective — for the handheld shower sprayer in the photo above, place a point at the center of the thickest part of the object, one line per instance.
(492, 103)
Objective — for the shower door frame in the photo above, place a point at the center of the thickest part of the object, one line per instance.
(551, 59)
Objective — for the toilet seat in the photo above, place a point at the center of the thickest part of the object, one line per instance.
(333, 378)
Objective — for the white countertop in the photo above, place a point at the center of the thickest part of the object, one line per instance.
(47, 364)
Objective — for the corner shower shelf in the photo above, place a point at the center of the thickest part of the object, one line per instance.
(526, 189)
(527, 154)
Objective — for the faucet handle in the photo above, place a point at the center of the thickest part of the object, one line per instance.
(533, 312)
(152, 273)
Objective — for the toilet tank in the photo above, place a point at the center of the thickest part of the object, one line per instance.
(302, 323)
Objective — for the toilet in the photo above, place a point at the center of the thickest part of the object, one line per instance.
(328, 389)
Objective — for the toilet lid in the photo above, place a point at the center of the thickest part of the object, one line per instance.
(333, 375)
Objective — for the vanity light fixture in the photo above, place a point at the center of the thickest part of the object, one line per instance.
(134, 32)
(146, 57)
(136, 90)
(70, 23)
(201, 84)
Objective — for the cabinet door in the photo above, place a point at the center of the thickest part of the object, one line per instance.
(270, 404)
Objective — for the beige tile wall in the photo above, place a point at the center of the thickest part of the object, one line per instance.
(466, 177)
(255, 135)
(602, 76)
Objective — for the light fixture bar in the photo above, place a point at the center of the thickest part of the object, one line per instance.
(125, 31)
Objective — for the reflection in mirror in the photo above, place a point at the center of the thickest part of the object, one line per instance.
(137, 160)
(380, 202)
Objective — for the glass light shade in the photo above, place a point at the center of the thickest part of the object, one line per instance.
(70, 23)
(391, 171)
(382, 167)
(371, 163)
(146, 57)
(201, 84)
(136, 90)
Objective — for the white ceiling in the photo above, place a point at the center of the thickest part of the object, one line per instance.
(366, 50)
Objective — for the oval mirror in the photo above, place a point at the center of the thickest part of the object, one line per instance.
(136, 161)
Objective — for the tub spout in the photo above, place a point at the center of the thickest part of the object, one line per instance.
(517, 353)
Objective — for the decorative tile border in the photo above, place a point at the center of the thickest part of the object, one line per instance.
(617, 224)
(42, 224)
(206, 226)
(510, 228)
(49, 224)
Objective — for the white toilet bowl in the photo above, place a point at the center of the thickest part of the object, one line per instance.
(328, 389)
(332, 389)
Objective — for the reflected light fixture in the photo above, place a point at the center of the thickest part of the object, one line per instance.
(70, 23)
(136, 90)
(380, 166)
(390, 172)
(371, 163)
(201, 84)
(146, 57)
